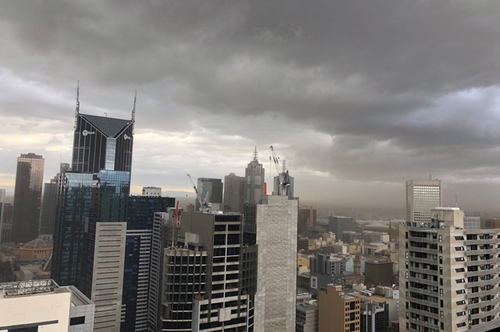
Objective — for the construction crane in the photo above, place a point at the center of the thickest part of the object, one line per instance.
(203, 201)
(283, 177)
(198, 197)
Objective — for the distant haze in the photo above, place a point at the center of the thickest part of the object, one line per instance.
(359, 96)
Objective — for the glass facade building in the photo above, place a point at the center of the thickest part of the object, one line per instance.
(421, 197)
(73, 212)
(138, 263)
(27, 197)
(102, 143)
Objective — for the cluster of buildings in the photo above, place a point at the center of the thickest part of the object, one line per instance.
(122, 262)
(89, 256)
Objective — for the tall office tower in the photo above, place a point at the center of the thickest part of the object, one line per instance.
(72, 215)
(448, 275)
(254, 177)
(8, 212)
(103, 251)
(234, 193)
(139, 267)
(338, 311)
(277, 264)
(209, 279)
(307, 217)
(102, 143)
(421, 197)
(49, 203)
(27, 197)
(2, 202)
(210, 189)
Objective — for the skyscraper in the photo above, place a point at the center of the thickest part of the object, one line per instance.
(91, 224)
(139, 269)
(49, 203)
(234, 192)
(211, 190)
(448, 275)
(27, 197)
(421, 197)
(275, 307)
(254, 177)
(102, 143)
(2, 208)
(209, 279)
(281, 178)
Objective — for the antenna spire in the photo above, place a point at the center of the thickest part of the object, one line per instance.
(77, 109)
(133, 112)
(255, 154)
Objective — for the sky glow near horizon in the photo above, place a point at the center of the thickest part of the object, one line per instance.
(359, 95)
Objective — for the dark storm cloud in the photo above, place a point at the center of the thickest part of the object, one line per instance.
(383, 90)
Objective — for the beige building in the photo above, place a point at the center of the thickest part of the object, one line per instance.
(338, 311)
(36, 249)
(448, 275)
(421, 197)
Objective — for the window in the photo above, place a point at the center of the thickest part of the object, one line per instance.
(461, 324)
(460, 281)
(460, 291)
(459, 259)
(77, 320)
(459, 248)
(462, 302)
(441, 292)
(460, 270)
(441, 314)
(459, 238)
(440, 238)
(461, 313)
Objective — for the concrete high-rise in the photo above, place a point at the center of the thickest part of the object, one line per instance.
(254, 181)
(448, 275)
(210, 189)
(27, 197)
(421, 197)
(234, 193)
(2, 208)
(276, 223)
(209, 278)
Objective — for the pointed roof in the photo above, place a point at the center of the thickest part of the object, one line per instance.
(108, 126)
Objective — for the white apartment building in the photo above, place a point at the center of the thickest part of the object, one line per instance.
(448, 275)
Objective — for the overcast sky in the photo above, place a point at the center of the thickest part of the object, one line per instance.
(359, 95)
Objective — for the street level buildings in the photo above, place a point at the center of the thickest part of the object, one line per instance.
(338, 311)
(27, 197)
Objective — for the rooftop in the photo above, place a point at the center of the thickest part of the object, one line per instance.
(108, 126)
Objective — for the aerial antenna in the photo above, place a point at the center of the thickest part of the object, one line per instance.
(133, 112)
(430, 176)
(77, 109)
(456, 201)
(255, 154)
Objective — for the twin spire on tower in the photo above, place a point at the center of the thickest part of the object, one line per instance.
(77, 110)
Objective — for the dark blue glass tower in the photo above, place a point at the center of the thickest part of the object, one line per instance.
(138, 269)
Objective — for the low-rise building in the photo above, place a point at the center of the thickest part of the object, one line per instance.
(44, 305)
(307, 317)
(338, 311)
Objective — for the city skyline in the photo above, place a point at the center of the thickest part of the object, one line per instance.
(357, 105)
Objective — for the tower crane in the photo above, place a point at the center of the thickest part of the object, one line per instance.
(203, 201)
(283, 177)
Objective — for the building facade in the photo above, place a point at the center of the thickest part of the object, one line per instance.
(448, 275)
(254, 181)
(44, 305)
(234, 193)
(276, 222)
(421, 197)
(27, 197)
(338, 311)
(206, 284)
